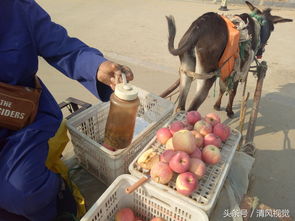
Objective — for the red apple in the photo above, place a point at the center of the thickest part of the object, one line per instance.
(180, 162)
(176, 126)
(198, 167)
(188, 126)
(212, 118)
(211, 154)
(203, 127)
(166, 156)
(197, 154)
(161, 173)
(163, 135)
(157, 219)
(125, 214)
(108, 147)
(222, 130)
(199, 138)
(186, 183)
(212, 139)
(169, 145)
(192, 117)
(184, 140)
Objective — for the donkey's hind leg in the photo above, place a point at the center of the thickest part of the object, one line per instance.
(203, 87)
(232, 94)
(188, 63)
(222, 89)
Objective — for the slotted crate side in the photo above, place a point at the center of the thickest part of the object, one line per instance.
(87, 128)
(210, 185)
(87, 132)
(103, 170)
(146, 201)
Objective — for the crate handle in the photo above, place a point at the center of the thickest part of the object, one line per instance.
(163, 202)
(137, 184)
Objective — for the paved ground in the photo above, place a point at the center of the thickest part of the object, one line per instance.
(134, 32)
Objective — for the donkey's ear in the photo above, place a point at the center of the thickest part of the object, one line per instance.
(278, 19)
(253, 8)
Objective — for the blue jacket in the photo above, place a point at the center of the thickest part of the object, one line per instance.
(27, 187)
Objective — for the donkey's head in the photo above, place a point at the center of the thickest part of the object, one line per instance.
(267, 22)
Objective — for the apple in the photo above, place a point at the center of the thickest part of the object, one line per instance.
(125, 214)
(161, 173)
(184, 140)
(203, 127)
(176, 126)
(169, 144)
(199, 138)
(157, 219)
(197, 154)
(198, 167)
(108, 147)
(211, 154)
(212, 139)
(166, 156)
(138, 218)
(222, 130)
(148, 158)
(163, 135)
(212, 118)
(188, 126)
(186, 183)
(180, 162)
(192, 117)
(149, 164)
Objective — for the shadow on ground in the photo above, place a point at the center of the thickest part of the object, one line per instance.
(274, 166)
(276, 114)
(272, 171)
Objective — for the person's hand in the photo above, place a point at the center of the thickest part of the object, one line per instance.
(110, 73)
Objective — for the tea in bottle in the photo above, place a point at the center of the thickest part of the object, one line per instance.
(120, 124)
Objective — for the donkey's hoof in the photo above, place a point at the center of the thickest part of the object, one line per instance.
(217, 107)
(230, 114)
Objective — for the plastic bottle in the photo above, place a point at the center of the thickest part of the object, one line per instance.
(120, 124)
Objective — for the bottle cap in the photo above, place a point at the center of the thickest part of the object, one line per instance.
(125, 91)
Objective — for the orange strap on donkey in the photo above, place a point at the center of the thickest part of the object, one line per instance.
(231, 51)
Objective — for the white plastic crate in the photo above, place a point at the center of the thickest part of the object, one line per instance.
(146, 201)
(210, 185)
(87, 132)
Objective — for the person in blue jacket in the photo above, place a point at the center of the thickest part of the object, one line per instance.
(28, 190)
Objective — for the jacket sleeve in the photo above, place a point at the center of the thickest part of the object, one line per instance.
(69, 55)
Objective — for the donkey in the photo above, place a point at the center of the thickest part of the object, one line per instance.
(205, 41)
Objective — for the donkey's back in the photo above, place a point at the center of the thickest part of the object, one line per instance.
(207, 36)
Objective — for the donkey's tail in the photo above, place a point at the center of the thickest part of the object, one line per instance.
(185, 43)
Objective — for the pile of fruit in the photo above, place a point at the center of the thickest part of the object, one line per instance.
(189, 146)
(127, 214)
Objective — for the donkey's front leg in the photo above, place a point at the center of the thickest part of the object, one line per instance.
(203, 87)
(232, 94)
(222, 89)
